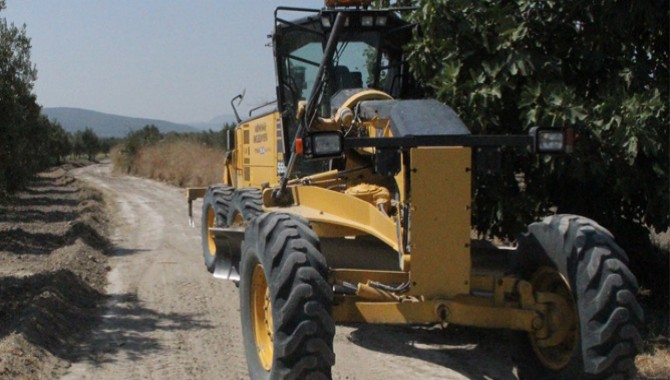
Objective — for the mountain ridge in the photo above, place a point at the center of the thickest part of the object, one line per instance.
(216, 123)
(108, 125)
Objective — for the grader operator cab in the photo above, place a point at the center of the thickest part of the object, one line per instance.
(351, 202)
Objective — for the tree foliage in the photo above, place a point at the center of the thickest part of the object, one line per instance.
(598, 66)
(28, 141)
(91, 143)
(130, 149)
(57, 142)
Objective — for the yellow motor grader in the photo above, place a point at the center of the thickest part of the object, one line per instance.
(350, 201)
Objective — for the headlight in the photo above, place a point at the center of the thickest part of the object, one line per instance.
(325, 21)
(367, 21)
(552, 140)
(322, 145)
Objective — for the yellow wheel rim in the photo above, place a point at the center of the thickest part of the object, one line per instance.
(556, 355)
(261, 313)
(211, 216)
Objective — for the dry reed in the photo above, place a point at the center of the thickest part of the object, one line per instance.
(181, 163)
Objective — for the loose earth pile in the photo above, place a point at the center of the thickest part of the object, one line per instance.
(53, 269)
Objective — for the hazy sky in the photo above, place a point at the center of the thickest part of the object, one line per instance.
(176, 60)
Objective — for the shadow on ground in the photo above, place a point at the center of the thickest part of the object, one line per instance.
(51, 309)
(124, 327)
(37, 216)
(52, 190)
(55, 310)
(453, 348)
(47, 201)
(20, 241)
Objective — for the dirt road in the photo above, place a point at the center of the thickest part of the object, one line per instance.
(167, 318)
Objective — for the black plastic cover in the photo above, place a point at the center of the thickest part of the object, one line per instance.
(425, 117)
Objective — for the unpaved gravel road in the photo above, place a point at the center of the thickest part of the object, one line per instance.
(167, 318)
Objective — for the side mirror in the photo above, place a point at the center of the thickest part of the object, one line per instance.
(239, 99)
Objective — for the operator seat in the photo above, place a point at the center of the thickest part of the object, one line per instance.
(342, 78)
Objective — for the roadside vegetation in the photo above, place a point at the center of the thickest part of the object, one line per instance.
(29, 142)
(194, 159)
(598, 67)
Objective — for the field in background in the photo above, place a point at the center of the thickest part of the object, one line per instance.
(181, 163)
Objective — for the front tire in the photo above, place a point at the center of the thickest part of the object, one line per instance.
(578, 259)
(285, 300)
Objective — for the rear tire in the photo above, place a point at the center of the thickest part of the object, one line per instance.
(214, 212)
(285, 300)
(604, 339)
(246, 204)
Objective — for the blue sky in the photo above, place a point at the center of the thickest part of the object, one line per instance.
(175, 60)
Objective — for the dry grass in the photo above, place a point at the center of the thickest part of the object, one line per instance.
(654, 366)
(181, 163)
(654, 362)
(118, 160)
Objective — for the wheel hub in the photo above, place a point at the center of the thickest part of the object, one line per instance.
(556, 343)
(211, 217)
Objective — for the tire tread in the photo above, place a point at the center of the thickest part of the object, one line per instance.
(219, 197)
(604, 288)
(301, 296)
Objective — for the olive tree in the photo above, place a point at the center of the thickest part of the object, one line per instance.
(19, 112)
(29, 142)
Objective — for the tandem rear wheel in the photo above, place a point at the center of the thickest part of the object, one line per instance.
(225, 207)
(214, 214)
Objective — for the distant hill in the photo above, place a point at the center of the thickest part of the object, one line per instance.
(215, 124)
(107, 125)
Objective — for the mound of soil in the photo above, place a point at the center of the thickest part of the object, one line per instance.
(53, 270)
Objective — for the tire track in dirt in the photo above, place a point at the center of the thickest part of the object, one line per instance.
(162, 322)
